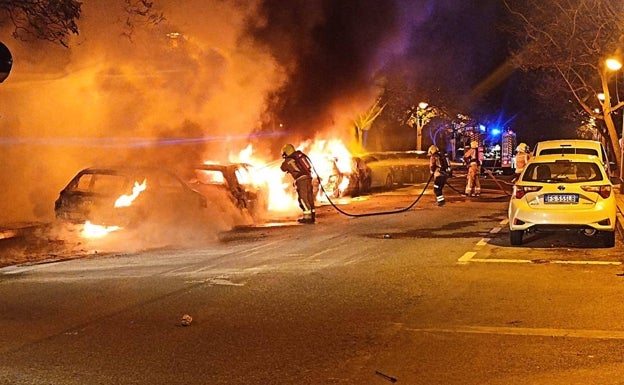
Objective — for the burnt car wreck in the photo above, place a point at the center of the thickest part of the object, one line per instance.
(235, 183)
(127, 196)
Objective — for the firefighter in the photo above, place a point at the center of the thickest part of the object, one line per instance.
(298, 165)
(471, 159)
(439, 166)
(522, 157)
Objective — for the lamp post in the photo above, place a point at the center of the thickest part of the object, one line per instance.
(616, 65)
(420, 111)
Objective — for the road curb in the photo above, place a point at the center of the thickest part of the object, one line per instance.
(619, 200)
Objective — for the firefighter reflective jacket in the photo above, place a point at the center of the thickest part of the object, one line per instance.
(297, 165)
(439, 164)
(521, 160)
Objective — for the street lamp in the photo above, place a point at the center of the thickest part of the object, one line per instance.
(420, 112)
(616, 65)
(613, 64)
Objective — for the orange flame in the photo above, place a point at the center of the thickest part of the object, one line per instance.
(331, 159)
(126, 200)
(91, 230)
(97, 231)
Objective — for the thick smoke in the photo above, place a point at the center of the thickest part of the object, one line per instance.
(169, 94)
(332, 52)
(213, 77)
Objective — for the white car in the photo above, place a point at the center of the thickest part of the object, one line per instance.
(563, 192)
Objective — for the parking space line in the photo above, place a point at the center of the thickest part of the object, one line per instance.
(519, 331)
(501, 260)
(483, 241)
(544, 262)
(467, 257)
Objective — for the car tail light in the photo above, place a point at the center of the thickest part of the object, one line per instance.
(520, 191)
(604, 191)
(605, 222)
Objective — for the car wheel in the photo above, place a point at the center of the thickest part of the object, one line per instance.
(389, 182)
(365, 186)
(608, 239)
(515, 237)
(399, 178)
(422, 177)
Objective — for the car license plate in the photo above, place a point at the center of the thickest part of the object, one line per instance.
(561, 198)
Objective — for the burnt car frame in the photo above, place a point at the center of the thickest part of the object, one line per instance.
(92, 193)
(237, 182)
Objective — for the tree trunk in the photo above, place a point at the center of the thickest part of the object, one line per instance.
(608, 119)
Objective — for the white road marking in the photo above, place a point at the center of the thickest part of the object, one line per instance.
(223, 281)
(22, 269)
(518, 331)
(315, 255)
(495, 230)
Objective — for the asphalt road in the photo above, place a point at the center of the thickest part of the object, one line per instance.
(426, 296)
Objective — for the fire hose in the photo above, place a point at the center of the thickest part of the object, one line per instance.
(402, 210)
(398, 210)
(498, 183)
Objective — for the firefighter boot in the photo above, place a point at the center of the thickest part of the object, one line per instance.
(307, 218)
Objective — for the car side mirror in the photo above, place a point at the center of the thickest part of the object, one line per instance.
(6, 62)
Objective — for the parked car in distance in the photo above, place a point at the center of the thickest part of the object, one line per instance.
(381, 174)
(238, 183)
(386, 170)
(126, 196)
(417, 166)
(563, 192)
(574, 146)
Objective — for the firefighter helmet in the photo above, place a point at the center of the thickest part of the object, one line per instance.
(474, 144)
(522, 147)
(432, 149)
(288, 150)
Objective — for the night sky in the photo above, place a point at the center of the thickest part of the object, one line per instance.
(444, 51)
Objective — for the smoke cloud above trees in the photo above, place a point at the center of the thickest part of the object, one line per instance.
(205, 81)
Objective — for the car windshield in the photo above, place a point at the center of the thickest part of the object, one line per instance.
(210, 176)
(244, 176)
(101, 183)
(562, 171)
(569, 150)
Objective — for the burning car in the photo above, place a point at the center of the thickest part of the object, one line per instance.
(238, 183)
(126, 196)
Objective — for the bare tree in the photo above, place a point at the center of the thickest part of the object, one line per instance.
(571, 39)
(57, 20)
(52, 20)
(140, 9)
(364, 121)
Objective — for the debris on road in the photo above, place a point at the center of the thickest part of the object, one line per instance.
(186, 320)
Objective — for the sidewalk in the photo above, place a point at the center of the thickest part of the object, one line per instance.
(619, 224)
